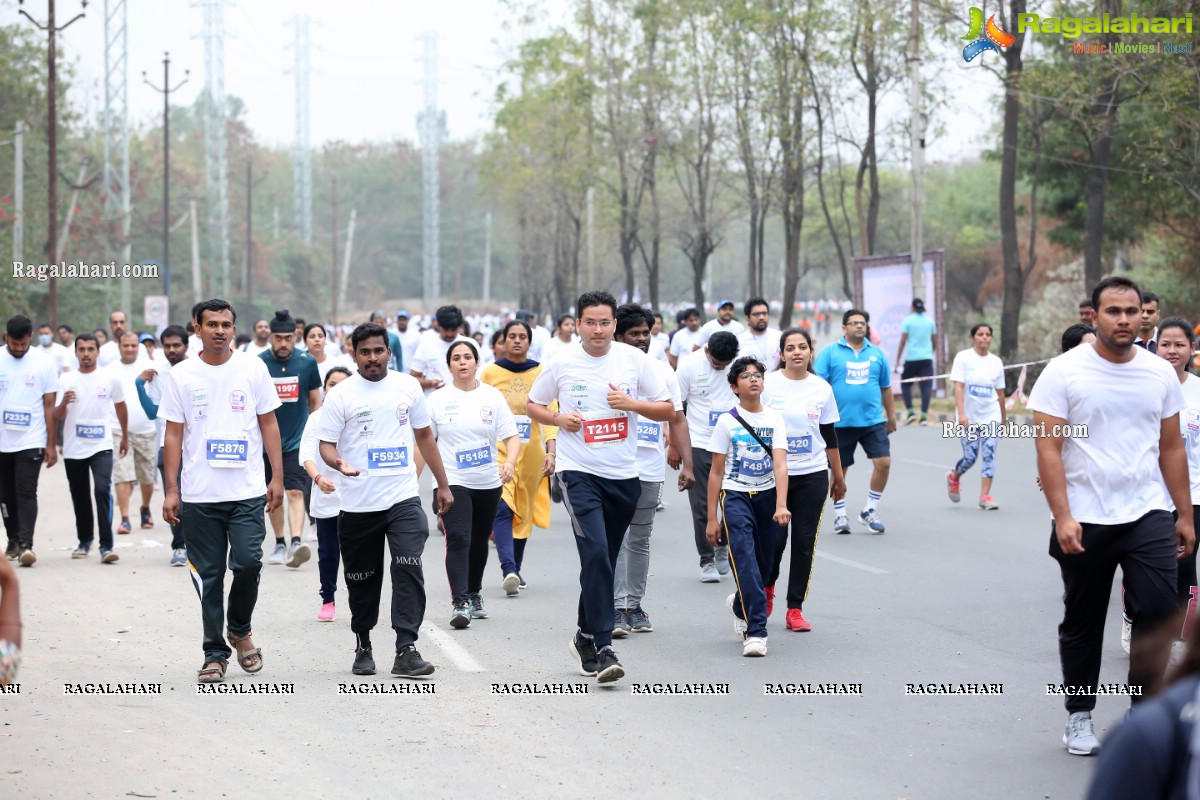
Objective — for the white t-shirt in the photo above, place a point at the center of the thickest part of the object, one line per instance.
(321, 505)
(714, 325)
(1113, 474)
(980, 376)
(606, 445)
(805, 406)
(663, 341)
(139, 423)
(748, 468)
(683, 342)
(252, 347)
(110, 352)
(763, 346)
(430, 358)
(331, 361)
(1189, 427)
(658, 352)
(88, 428)
(24, 382)
(537, 343)
(706, 392)
(154, 391)
(409, 340)
(60, 355)
(552, 346)
(219, 409)
(372, 424)
(467, 426)
(652, 435)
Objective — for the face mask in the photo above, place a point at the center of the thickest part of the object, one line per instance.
(44, 339)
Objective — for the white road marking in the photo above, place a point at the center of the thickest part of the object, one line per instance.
(846, 562)
(924, 463)
(453, 650)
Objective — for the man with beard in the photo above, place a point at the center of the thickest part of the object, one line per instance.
(137, 464)
(759, 339)
(298, 384)
(723, 322)
(262, 339)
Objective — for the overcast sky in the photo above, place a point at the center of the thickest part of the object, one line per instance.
(366, 80)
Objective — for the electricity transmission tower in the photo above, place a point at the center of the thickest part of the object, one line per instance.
(430, 124)
(216, 172)
(302, 155)
(116, 129)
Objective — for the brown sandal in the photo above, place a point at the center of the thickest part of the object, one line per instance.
(247, 657)
(209, 674)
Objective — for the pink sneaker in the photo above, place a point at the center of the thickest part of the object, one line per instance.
(952, 486)
(770, 599)
(326, 613)
(987, 503)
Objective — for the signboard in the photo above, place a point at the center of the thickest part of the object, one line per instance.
(155, 311)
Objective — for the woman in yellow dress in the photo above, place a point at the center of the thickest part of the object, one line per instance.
(525, 501)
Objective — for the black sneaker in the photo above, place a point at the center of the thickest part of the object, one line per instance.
(621, 625)
(364, 662)
(12, 551)
(409, 663)
(584, 651)
(608, 669)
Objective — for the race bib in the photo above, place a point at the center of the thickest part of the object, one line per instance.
(475, 455)
(799, 445)
(524, 427)
(227, 450)
(753, 468)
(287, 388)
(387, 460)
(857, 372)
(649, 434)
(608, 428)
(713, 416)
(91, 430)
(980, 390)
(18, 419)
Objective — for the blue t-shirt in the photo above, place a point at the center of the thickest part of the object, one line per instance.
(396, 362)
(920, 329)
(857, 380)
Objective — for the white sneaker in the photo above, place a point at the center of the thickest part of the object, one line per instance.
(708, 573)
(841, 524)
(1126, 634)
(511, 584)
(279, 554)
(739, 624)
(1079, 736)
(754, 647)
(298, 553)
(721, 559)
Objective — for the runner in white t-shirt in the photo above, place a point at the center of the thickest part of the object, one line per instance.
(978, 378)
(1102, 485)
(724, 321)
(470, 419)
(603, 389)
(748, 482)
(686, 339)
(759, 339)
(220, 413)
(564, 335)
(87, 400)
(429, 361)
(809, 410)
(369, 427)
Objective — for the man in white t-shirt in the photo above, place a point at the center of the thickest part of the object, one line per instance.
(61, 356)
(603, 389)
(633, 564)
(686, 338)
(409, 336)
(110, 351)
(28, 433)
(369, 425)
(659, 340)
(429, 361)
(137, 464)
(261, 341)
(540, 334)
(87, 400)
(220, 413)
(1110, 508)
(724, 322)
(759, 339)
(149, 385)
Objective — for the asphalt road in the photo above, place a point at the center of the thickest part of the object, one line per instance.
(950, 594)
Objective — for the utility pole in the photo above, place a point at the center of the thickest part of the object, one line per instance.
(52, 140)
(429, 123)
(591, 190)
(249, 235)
(346, 256)
(116, 129)
(333, 250)
(216, 172)
(917, 126)
(197, 289)
(487, 258)
(302, 153)
(19, 192)
(166, 90)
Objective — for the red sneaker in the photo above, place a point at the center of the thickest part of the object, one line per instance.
(770, 599)
(796, 621)
(952, 486)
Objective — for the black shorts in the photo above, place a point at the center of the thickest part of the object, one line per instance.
(294, 476)
(874, 440)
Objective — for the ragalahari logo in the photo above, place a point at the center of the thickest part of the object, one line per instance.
(985, 37)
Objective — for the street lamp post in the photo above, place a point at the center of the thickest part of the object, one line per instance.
(166, 90)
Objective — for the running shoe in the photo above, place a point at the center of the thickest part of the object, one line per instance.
(409, 663)
(639, 620)
(147, 520)
(608, 668)
(279, 555)
(910, 417)
(297, 554)
(124, 527)
(364, 662)
(708, 573)
(796, 621)
(81, 551)
(841, 524)
(739, 624)
(108, 556)
(770, 590)
(987, 503)
(924, 421)
(511, 584)
(952, 486)
(755, 647)
(1079, 737)
(477, 609)
(1126, 635)
(871, 520)
(621, 626)
(27, 558)
(721, 559)
(326, 613)
(584, 650)
(661, 506)
(179, 557)
(521, 578)
(460, 616)
(12, 551)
